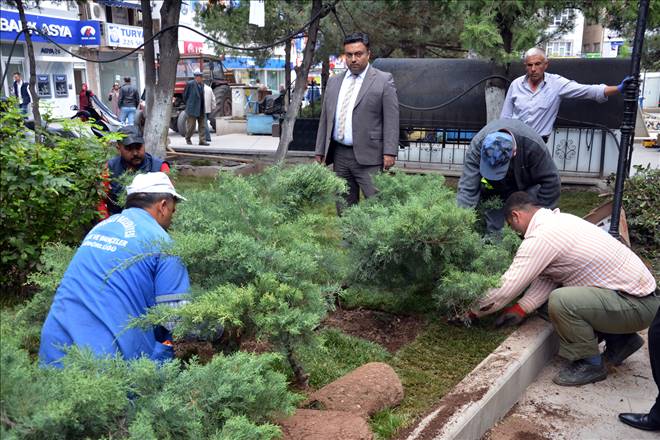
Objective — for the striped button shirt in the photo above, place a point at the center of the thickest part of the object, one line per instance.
(565, 250)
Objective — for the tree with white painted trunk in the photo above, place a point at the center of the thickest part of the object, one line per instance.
(160, 88)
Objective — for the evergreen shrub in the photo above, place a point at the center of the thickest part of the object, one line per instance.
(48, 191)
(413, 235)
(641, 200)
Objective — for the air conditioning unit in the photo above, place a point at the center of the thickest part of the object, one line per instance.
(96, 12)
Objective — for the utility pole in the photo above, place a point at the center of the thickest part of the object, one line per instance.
(630, 95)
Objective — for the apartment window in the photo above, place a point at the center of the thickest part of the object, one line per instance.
(596, 47)
(586, 48)
(559, 48)
(562, 18)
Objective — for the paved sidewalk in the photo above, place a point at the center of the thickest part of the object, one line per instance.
(548, 411)
(226, 144)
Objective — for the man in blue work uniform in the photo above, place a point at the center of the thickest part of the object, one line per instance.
(535, 97)
(120, 270)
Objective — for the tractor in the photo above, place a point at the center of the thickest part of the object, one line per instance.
(215, 75)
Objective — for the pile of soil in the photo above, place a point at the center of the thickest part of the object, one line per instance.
(309, 424)
(364, 391)
(386, 329)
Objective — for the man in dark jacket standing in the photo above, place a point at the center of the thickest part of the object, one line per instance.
(504, 157)
(20, 91)
(193, 96)
(129, 98)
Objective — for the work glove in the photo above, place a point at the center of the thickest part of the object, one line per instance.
(511, 316)
(464, 320)
(624, 83)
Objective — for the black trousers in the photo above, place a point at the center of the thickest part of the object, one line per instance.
(654, 354)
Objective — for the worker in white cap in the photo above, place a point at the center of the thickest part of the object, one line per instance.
(121, 269)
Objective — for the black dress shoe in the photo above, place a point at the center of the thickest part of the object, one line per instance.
(639, 421)
(203, 143)
(580, 373)
(188, 141)
(619, 347)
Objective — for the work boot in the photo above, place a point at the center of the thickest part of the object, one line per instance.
(188, 141)
(619, 347)
(579, 373)
(204, 143)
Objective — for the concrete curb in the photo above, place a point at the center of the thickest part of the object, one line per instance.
(487, 394)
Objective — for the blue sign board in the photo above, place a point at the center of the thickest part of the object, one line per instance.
(60, 30)
(250, 63)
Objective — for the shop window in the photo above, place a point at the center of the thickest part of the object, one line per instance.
(43, 86)
(61, 86)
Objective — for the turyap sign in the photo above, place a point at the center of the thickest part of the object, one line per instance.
(59, 30)
(124, 36)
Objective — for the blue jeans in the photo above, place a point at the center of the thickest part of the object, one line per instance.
(128, 113)
(24, 108)
(208, 128)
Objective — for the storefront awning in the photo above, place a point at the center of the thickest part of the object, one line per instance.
(121, 4)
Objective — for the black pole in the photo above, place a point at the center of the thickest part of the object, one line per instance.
(630, 95)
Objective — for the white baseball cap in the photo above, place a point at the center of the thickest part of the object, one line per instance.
(153, 183)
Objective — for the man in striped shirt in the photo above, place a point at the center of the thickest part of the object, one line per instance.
(594, 285)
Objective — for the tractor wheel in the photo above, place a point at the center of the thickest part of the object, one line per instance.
(181, 123)
(222, 101)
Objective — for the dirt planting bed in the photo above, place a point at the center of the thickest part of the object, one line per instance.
(386, 329)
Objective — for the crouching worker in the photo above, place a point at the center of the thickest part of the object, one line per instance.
(131, 157)
(120, 271)
(504, 157)
(594, 285)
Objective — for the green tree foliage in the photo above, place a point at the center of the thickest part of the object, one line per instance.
(48, 191)
(413, 235)
(641, 200)
(231, 24)
(233, 396)
(503, 30)
(621, 16)
(262, 259)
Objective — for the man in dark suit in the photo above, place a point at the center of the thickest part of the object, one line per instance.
(193, 96)
(20, 91)
(359, 126)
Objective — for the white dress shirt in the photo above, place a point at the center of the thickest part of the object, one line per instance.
(348, 125)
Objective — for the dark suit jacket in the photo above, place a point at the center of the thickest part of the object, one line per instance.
(24, 92)
(533, 167)
(375, 118)
(193, 99)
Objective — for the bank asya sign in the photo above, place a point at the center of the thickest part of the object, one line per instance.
(60, 30)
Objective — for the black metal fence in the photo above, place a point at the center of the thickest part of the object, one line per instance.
(580, 152)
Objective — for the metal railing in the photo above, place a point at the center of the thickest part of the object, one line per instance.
(581, 152)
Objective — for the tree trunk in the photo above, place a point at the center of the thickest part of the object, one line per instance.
(33, 68)
(287, 72)
(160, 90)
(301, 378)
(286, 135)
(325, 74)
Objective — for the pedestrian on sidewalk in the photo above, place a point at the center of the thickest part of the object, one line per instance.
(193, 96)
(85, 98)
(113, 97)
(129, 98)
(22, 93)
(209, 107)
(650, 421)
(593, 283)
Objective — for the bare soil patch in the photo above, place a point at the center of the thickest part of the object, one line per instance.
(309, 424)
(386, 329)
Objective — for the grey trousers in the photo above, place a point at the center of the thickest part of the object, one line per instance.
(578, 313)
(201, 127)
(357, 176)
